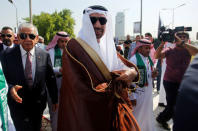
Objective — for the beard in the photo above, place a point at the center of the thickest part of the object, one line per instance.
(7, 42)
(99, 32)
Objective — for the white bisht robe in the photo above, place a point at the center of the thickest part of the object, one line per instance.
(143, 111)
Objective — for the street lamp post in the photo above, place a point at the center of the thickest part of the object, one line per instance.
(30, 8)
(173, 11)
(16, 15)
(16, 12)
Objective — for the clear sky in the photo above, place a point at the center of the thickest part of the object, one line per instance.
(185, 15)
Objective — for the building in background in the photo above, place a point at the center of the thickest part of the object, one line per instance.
(120, 26)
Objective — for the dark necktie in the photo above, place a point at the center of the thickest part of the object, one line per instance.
(28, 70)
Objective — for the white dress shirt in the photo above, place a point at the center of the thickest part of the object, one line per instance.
(5, 46)
(33, 59)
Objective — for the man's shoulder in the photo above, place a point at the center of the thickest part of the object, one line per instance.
(127, 41)
(71, 41)
(13, 49)
(41, 51)
(133, 59)
(1, 47)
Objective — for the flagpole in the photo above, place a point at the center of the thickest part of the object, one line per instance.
(140, 17)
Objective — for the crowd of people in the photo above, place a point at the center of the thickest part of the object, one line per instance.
(89, 83)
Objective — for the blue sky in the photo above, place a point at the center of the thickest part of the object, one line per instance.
(185, 15)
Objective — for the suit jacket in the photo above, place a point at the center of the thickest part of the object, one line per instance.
(2, 50)
(1, 47)
(186, 113)
(34, 99)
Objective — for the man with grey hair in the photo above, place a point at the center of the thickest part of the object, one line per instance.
(28, 71)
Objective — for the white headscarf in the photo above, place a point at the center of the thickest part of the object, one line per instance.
(106, 48)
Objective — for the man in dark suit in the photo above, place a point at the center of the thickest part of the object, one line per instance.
(186, 113)
(28, 70)
(7, 36)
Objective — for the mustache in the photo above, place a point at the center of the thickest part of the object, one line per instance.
(6, 41)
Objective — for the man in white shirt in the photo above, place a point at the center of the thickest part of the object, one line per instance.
(143, 111)
(55, 49)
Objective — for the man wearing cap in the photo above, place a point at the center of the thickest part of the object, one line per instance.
(55, 49)
(143, 111)
(89, 96)
(177, 59)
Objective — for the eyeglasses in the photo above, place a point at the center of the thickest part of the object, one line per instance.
(102, 20)
(4, 35)
(23, 36)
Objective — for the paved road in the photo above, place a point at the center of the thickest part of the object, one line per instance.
(156, 110)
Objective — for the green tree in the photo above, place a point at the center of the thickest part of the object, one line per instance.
(49, 24)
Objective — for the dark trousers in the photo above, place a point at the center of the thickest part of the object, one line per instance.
(126, 51)
(159, 68)
(28, 123)
(26, 118)
(171, 90)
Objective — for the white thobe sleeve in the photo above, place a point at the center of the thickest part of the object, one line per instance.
(132, 96)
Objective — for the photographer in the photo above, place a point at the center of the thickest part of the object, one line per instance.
(177, 59)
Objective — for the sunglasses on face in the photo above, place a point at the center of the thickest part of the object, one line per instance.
(4, 35)
(182, 36)
(24, 36)
(102, 20)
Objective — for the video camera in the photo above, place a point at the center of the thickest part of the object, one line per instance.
(168, 35)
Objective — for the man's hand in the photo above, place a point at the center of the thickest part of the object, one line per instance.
(179, 40)
(13, 92)
(127, 75)
(61, 70)
(159, 54)
(154, 73)
(134, 102)
(54, 107)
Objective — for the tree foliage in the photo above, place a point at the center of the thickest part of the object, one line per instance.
(49, 24)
